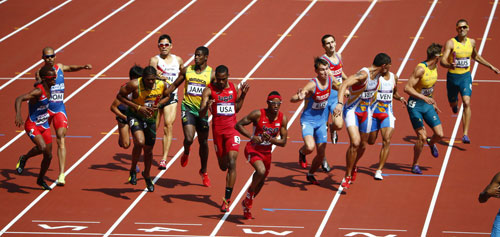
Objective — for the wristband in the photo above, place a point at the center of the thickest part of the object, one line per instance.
(138, 107)
(340, 103)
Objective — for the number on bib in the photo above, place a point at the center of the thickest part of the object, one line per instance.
(320, 105)
(412, 103)
(195, 89)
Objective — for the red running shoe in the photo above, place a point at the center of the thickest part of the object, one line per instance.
(163, 165)
(246, 210)
(302, 160)
(225, 205)
(247, 202)
(205, 179)
(184, 159)
(346, 182)
(354, 173)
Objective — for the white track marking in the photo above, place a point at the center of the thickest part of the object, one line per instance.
(90, 222)
(3, 1)
(108, 134)
(33, 21)
(272, 226)
(466, 233)
(136, 201)
(372, 229)
(67, 43)
(455, 130)
(145, 223)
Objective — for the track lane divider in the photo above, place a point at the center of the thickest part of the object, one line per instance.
(455, 130)
(35, 20)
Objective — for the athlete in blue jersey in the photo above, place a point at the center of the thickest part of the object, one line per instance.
(37, 125)
(57, 110)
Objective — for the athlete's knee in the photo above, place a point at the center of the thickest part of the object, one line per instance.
(125, 143)
(466, 101)
(232, 164)
(139, 143)
(168, 127)
(148, 151)
(188, 141)
(260, 171)
(386, 142)
(308, 148)
(61, 133)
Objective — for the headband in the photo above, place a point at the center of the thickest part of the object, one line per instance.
(273, 97)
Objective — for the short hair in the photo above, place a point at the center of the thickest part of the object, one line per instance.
(165, 36)
(381, 59)
(274, 93)
(433, 50)
(326, 37)
(46, 48)
(462, 20)
(135, 72)
(149, 70)
(221, 69)
(203, 50)
(319, 61)
(44, 71)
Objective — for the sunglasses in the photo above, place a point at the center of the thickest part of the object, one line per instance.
(49, 56)
(462, 27)
(274, 103)
(50, 77)
(164, 44)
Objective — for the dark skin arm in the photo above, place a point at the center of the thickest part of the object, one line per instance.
(130, 87)
(115, 110)
(492, 190)
(206, 101)
(254, 117)
(239, 101)
(33, 94)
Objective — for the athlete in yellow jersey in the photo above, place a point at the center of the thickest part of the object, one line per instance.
(422, 107)
(457, 54)
(197, 77)
(142, 112)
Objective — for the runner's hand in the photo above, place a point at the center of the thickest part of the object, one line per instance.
(266, 137)
(87, 66)
(19, 121)
(244, 88)
(256, 139)
(338, 110)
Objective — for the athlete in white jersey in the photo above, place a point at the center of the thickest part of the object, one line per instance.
(383, 117)
(168, 67)
(362, 87)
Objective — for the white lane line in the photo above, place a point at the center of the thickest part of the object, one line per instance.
(145, 223)
(89, 222)
(106, 136)
(62, 47)
(455, 130)
(247, 184)
(340, 189)
(272, 226)
(136, 201)
(3, 1)
(51, 233)
(373, 229)
(33, 21)
(68, 43)
(466, 233)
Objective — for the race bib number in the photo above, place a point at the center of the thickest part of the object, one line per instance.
(225, 109)
(41, 119)
(427, 91)
(320, 105)
(339, 78)
(386, 97)
(195, 89)
(412, 103)
(57, 97)
(463, 62)
(367, 95)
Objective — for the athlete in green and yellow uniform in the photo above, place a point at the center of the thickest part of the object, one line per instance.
(197, 77)
(422, 107)
(142, 112)
(457, 56)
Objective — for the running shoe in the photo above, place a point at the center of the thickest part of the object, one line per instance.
(132, 179)
(225, 205)
(60, 180)
(205, 179)
(378, 175)
(137, 169)
(247, 202)
(334, 137)
(434, 149)
(149, 183)
(454, 109)
(465, 139)
(20, 165)
(302, 160)
(43, 184)
(246, 211)
(163, 165)
(325, 166)
(311, 179)
(184, 159)
(354, 173)
(416, 169)
(346, 182)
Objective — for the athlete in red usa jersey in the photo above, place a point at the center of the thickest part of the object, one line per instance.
(270, 128)
(222, 98)
(37, 126)
(57, 109)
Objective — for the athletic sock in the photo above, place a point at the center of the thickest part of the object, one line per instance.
(229, 192)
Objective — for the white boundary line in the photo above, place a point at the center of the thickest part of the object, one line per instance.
(90, 222)
(3, 1)
(108, 134)
(67, 43)
(33, 21)
(272, 226)
(373, 229)
(340, 189)
(249, 181)
(455, 130)
(467, 233)
(145, 191)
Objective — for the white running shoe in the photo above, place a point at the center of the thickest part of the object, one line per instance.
(378, 175)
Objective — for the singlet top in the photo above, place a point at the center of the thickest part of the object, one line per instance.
(266, 126)
(56, 104)
(38, 112)
(148, 97)
(366, 92)
(195, 83)
(170, 71)
(316, 105)
(426, 85)
(386, 89)
(224, 107)
(461, 54)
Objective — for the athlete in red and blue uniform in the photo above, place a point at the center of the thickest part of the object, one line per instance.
(222, 98)
(37, 125)
(315, 116)
(270, 128)
(57, 109)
